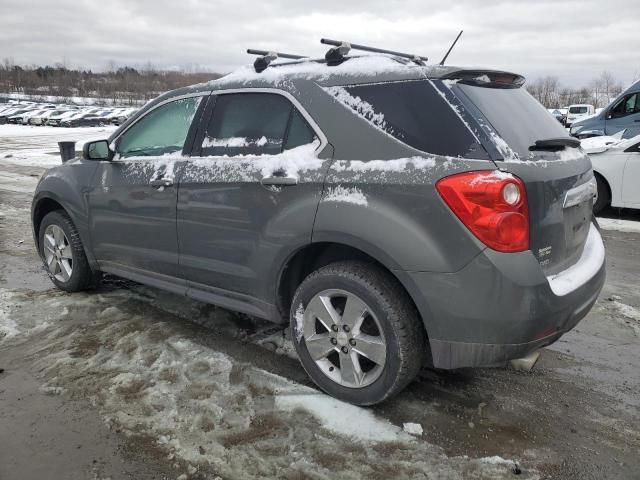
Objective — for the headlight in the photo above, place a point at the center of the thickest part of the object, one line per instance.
(576, 129)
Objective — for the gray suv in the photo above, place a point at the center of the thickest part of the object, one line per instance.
(395, 214)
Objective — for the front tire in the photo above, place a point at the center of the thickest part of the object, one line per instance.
(62, 253)
(356, 332)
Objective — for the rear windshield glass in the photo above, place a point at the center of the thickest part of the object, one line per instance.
(517, 117)
(578, 110)
(415, 113)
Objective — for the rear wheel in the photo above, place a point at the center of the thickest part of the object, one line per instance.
(62, 253)
(356, 332)
(604, 195)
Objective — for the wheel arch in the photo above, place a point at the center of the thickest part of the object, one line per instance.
(599, 175)
(45, 202)
(318, 254)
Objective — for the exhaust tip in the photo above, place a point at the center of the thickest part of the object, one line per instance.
(525, 364)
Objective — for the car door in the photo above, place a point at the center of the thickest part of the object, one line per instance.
(248, 197)
(132, 204)
(631, 178)
(624, 115)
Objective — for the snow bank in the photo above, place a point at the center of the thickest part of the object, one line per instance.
(584, 269)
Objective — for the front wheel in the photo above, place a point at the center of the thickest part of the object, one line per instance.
(356, 332)
(62, 253)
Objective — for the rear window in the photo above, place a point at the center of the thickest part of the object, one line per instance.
(517, 117)
(415, 113)
(578, 110)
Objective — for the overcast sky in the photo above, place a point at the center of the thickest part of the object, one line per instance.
(574, 40)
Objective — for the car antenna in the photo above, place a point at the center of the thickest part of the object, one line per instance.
(451, 48)
(266, 57)
(338, 54)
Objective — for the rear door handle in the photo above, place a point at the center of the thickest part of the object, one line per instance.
(279, 180)
(161, 182)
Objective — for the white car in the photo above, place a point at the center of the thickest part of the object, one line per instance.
(616, 164)
(579, 111)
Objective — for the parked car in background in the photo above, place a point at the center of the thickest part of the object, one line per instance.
(621, 114)
(616, 166)
(384, 244)
(558, 115)
(42, 118)
(122, 117)
(12, 112)
(55, 119)
(578, 111)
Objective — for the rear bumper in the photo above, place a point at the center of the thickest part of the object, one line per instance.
(500, 307)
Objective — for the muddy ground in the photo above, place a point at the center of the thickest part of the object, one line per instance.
(126, 381)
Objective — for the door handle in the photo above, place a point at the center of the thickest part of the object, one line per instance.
(161, 182)
(279, 180)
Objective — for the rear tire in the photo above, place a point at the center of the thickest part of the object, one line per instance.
(62, 253)
(604, 195)
(379, 343)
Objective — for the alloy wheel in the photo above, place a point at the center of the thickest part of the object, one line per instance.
(344, 338)
(57, 253)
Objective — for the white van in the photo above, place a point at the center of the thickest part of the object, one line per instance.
(578, 111)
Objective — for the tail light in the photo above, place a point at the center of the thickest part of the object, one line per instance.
(492, 204)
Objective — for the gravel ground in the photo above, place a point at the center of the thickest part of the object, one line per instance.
(126, 381)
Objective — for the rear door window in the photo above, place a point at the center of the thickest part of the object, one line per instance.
(254, 124)
(414, 112)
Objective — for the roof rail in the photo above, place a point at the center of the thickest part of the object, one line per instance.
(267, 57)
(338, 54)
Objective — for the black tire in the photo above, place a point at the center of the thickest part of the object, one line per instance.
(401, 325)
(81, 276)
(604, 195)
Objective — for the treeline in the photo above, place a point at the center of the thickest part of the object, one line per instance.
(599, 92)
(119, 85)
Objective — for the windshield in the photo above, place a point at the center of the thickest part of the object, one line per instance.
(517, 117)
(578, 110)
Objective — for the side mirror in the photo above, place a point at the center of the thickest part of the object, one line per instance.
(98, 150)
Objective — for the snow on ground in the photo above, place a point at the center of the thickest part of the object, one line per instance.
(153, 376)
(619, 225)
(38, 146)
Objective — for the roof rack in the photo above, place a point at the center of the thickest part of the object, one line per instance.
(338, 54)
(267, 57)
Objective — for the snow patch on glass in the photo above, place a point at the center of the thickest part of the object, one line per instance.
(362, 108)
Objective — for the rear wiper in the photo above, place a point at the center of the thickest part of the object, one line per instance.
(555, 144)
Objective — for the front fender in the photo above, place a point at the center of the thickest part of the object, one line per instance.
(67, 185)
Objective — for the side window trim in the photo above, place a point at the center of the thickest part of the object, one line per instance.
(197, 119)
(208, 113)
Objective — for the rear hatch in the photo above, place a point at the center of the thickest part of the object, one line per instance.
(526, 140)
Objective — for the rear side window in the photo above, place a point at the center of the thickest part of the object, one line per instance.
(517, 117)
(415, 113)
(254, 124)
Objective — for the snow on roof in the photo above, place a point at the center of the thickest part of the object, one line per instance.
(318, 70)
